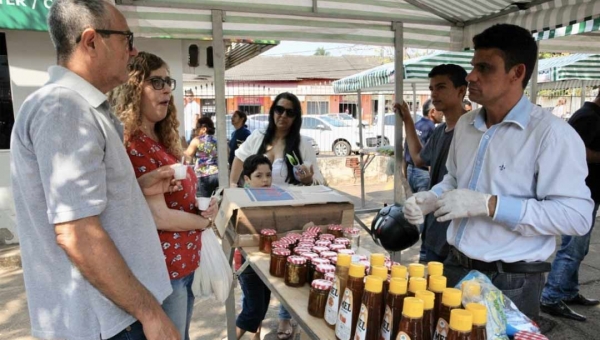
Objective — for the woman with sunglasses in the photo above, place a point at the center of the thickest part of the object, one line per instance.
(281, 139)
(204, 149)
(145, 106)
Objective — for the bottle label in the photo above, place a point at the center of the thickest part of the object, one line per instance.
(402, 336)
(386, 325)
(441, 330)
(361, 325)
(343, 327)
(333, 302)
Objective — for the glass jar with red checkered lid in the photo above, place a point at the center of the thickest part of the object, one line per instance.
(322, 269)
(278, 260)
(353, 234)
(335, 230)
(317, 298)
(295, 271)
(267, 236)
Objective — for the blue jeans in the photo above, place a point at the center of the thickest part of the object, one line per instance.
(179, 305)
(418, 180)
(255, 301)
(207, 185)
(135, 331)
(283, 313)
(563, 279)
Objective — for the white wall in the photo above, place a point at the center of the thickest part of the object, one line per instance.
(29, 56)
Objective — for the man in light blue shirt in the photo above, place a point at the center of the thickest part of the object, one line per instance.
(516, 176)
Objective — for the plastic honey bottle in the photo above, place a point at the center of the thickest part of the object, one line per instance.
(428, 320)
(435, 268)
(393, 308)
(339, 285)
(461, 322)
(415, 284)
(399, 270)
(479, 311)
(369, 317)
(451, 299)
(376, 259)
(382, 272)
(411, 323)
(437, 284)
(416, 270)
(351, 300)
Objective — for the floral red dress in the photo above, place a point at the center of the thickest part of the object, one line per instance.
(181, 249)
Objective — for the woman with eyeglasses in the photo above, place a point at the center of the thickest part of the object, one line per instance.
(204, 149)
(280, 139)
(145, 106)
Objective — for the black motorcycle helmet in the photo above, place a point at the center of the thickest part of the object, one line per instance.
(392, 231)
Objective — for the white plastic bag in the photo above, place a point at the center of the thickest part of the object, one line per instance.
(214, 276)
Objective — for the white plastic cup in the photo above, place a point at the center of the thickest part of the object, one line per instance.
(180, 171)
(203, 202)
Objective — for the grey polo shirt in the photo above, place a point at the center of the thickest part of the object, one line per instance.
(68, 162)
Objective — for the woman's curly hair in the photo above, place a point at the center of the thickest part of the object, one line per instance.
(126, 102)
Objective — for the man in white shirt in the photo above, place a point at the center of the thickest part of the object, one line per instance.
(516, 176)
(191, 113)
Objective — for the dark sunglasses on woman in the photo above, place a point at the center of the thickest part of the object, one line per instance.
(279, 110)
(158, 83)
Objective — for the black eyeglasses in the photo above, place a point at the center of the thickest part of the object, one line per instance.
(288, 112)
(158, 83)
(128, 34)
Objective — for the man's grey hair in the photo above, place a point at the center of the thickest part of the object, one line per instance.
(427, 106)
(67, 19)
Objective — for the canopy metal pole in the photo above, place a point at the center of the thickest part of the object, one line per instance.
(534, 79)
(360, 147)
(583, 88)
(399, 194)
(220, 105)
(414, 88)
(381, 115)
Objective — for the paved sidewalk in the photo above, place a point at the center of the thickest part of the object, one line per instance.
(209, 316)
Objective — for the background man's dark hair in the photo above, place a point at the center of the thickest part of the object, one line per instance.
(516, 43)
(67, 19)
(456, 73)
(427, 106)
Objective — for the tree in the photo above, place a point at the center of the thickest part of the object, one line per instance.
(546, 55)
(321, 51)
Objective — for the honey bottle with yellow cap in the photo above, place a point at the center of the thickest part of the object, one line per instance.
(411, 323)
(382, 272)
(376, 259)
(461, 322)
(399, 270)
(416, 270)
(428, 320)
(351, 299)
(478, 332)
(369, 317)
(435, 268)
(437, 284)
(393, 307)
(451, 299)
(338, 287)
(415, 284)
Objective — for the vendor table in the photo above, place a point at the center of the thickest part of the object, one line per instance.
(295, 300)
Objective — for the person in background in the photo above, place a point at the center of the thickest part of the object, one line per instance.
(92, 261)
(467, 105)
(191, 113)
(516, 176)
(562, 285)
(257, 173)
(241, 133)
(281, 139)
(203, 148)
(448, 86)
(145, 106)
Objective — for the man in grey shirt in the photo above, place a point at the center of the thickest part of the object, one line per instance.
(91, 255)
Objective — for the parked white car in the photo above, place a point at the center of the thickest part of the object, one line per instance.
(389, 121)
(332, 134)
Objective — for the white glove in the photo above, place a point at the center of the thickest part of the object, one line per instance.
(461, 203)
(419, 205)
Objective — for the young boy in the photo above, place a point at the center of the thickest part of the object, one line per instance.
(256, 296)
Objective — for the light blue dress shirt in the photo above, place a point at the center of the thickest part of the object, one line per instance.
(535, 163)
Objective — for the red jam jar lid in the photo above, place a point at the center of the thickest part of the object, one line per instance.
(336, 247)
(330, 276)
(335, 227)
(319, 250)
(323, 243)
(346, 251)
(317, 261)
(328, 237)
(321, 284)
(268, 232)
(309, 255)
(281, 251)
(341, 240)
(297, 259)
(325, 268)
(352, 231)
(328, 254)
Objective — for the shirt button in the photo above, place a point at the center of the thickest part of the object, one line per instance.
(487, 137)
(128, 328)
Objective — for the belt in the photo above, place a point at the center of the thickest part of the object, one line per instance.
(499, 266)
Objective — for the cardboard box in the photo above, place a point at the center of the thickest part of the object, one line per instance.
(245, 212)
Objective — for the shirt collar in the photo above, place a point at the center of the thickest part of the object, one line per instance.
(64, 77)
(518, 115)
